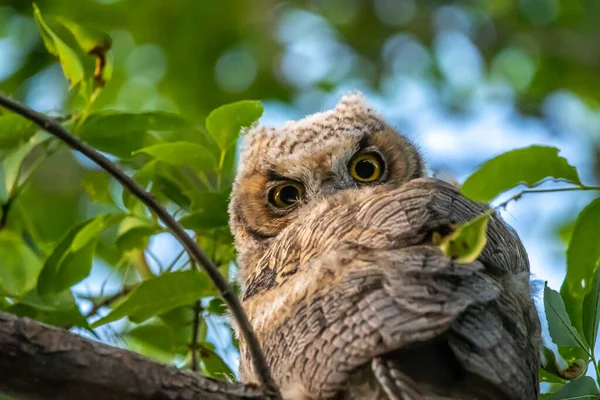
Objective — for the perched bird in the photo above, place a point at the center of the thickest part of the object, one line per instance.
(349, 297)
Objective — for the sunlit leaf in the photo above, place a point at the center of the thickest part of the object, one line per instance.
(89, 233)
(181, 154)
(158, 295)
(583, 253)
(467, 241)
(527, 166)
(92, 42)
(97, 186)
(122, 133)
(583, 388)
(69, 60)
(225, 123)
(19, 266)
(12, 164)
(561, 330)
(134, 233)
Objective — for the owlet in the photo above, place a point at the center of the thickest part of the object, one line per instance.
(350, 299)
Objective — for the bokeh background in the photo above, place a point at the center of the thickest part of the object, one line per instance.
(465, 80)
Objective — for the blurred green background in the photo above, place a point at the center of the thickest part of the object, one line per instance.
(465, 79)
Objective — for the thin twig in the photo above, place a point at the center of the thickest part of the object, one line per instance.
(174, 262)
(109, 299)
(528, 191)
(195, 329)
(226, 291)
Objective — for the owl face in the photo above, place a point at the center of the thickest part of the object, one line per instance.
(285, 171)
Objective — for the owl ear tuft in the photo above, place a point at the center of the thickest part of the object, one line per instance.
(353, 99)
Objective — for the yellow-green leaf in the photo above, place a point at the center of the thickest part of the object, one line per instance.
(69, 60)
(467, 241)
(527, 166)
(158, 295)
(225, 123)
(95, 43)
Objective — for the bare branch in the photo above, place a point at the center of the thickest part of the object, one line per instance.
(39, 361)
(55, 129)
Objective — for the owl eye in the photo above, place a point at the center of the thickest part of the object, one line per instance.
(286, 194)
(366, 167)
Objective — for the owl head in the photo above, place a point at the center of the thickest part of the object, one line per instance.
(286, 171)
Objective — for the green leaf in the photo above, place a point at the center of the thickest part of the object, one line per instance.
(89, 233)
(204, 219)
(19, 266)
(225, 123)
(59, 310)
(11, 165)
(97, 186)
(95, 43)
(583, 253)
(181, 154)
(217, 306)
(561, 330)
(467, 241)
(583, 388)
(214, 365)
(158, 295)
(121, 133)
(527, 166)
(69, 60)
(90, 40)
(162, 336)
(71, 260)
(15, 130)
(591, 311)
(134, 233)
(143, 176)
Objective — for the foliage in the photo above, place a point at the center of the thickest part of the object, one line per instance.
(184, 165)
(573, 314)
(63, 220)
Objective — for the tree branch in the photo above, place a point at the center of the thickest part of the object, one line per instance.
(55, 129)
(39, 361)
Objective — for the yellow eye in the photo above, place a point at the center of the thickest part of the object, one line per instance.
(286, 194)
(366, 167)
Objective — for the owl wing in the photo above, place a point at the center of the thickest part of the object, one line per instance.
(389, 310)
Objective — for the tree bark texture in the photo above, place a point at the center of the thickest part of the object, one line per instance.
(39, 361)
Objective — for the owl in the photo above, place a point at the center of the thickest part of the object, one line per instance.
(350, 298)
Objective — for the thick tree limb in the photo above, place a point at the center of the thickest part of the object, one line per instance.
(39, 361)
(55, 129)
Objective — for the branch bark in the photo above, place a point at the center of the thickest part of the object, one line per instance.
(39, 361)
(55, 129)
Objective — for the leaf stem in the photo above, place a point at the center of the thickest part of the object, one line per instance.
(529, 191)
(49, 125)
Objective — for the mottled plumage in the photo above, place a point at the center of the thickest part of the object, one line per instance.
(347, 294)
